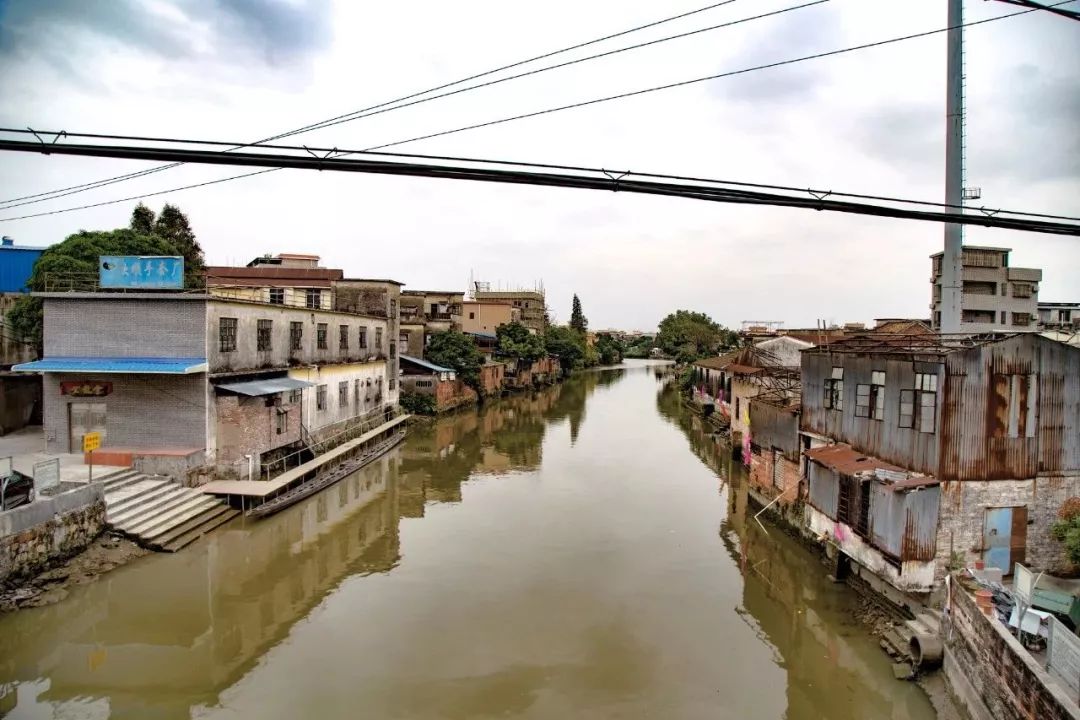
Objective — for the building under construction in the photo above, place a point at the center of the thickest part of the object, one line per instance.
(529, 302)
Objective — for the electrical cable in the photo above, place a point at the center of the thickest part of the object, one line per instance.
(570, 106)
(315, 126)
(342, 152)
(599, 180)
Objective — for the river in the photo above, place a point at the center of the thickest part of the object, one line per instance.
(580, 552)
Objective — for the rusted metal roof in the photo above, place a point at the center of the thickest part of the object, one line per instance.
(846, 460)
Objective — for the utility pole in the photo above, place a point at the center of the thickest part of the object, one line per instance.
(952, 279)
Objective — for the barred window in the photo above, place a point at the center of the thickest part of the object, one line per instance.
(343, 337)
(227, 334)
(282, 421)
(392, 383)
(320, 335)
(343, 393)
(320, 397)
(378, 338)
(363, 337)
(296, 336)
(263, 336)
(393, 350)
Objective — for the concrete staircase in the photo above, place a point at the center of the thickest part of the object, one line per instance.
(158, 513)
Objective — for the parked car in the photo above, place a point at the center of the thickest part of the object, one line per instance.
(16, 489)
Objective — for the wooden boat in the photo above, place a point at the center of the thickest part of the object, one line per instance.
(307, 488)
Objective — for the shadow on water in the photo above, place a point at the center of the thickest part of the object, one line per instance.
(171, 632)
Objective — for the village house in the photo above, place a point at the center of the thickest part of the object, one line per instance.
(530, 304)
(484, 316)
(776, 461)
(196, 381)
(425, 313)
(996, 297)
(924, 455)
(425, 378)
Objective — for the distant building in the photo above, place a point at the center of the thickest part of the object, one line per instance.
(1059, 316)
(487, 316)
(425, 313)
(425, 378)
(16, 265)
(530, 303)
(995, 297)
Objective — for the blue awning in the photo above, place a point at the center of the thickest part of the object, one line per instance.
(134, 365)
(425, 364)
(271, 386)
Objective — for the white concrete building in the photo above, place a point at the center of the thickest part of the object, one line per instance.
(996, 297)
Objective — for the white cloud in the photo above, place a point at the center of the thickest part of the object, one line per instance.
(871, 122)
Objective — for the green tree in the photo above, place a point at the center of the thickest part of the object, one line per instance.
(142, 220)
(1067, 528)
(567, 345)
(609, 349)
(74, 263)
(578, 321)
(172, 225)
(688, 336)
(517, 343)
(457, 351)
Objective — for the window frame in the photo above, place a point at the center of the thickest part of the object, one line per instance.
(362, 337)
(320, 397)
(313, 298)
(264, 335)
(281, 425)
(343, 393)
(343, 337)
(279, 293)
(296, 336)
(228, 328)
(322, 331)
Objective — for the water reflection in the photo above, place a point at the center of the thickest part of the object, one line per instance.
(170, 632)
(808, 621)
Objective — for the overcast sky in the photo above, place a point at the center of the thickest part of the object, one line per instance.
(869, 122)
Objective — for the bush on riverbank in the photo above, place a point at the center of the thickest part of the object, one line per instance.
(417, 403)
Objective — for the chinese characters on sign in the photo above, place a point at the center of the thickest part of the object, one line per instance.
(134, 271)
(85, 388)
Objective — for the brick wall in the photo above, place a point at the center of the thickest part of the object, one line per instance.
(491, 378)
(247, 426)
(963, 511)
(763, 465)
(143, 411)
(124, 328)
(992, 674)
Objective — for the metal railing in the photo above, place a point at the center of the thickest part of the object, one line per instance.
(351, 428)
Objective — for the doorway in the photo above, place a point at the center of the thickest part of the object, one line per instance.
(85, 417)
(1005, 537)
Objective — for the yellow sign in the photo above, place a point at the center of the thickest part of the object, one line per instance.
(91, 441)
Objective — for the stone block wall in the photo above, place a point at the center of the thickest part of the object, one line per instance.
(992, 674)
(34, 536)
(963, 511)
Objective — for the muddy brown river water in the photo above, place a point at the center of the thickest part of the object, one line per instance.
(580, 552)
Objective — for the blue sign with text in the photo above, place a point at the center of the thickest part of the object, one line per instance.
(156, 272)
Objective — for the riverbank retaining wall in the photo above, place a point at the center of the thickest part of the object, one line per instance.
(992, 674)
(34, 536)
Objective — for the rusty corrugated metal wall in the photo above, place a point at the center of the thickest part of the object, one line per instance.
(904, 524)
(884, 439)
(774, 427)
(1012, 410)
(824, 489)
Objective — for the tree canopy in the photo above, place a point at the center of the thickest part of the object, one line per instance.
(578, 321)
(77, 257)
(172, 225)
(565, 344)
(517, 343)
(457, 351)
(688, 336)
(609, 349)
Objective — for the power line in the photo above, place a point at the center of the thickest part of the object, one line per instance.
(596, 179)
(571, 106)
(62, 192)
(326, 152)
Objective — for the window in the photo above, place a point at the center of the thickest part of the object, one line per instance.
(356, 392)
(1014, 399)
(423, 383)
(834, 389)
(862, 401)
(363, 337)
(1004, 289)
(313, 298)
(393, 308)
(918, 407)
(1004, 320)
(378, 338)
(343, 393)
(403, 338)
(262, 337)
(343, 337)
(320, 335)
(227, 334)
(320, 397)
(392, 383)
(1021, 319)
(296, 336)
(472, 316)
(870, 399)
(277, 296)
(282, 424)
(393, 350)
(1023, 290)
(295, 396)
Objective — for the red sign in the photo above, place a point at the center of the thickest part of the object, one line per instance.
(85, 388)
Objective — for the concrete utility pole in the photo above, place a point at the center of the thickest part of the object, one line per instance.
(952, 278)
